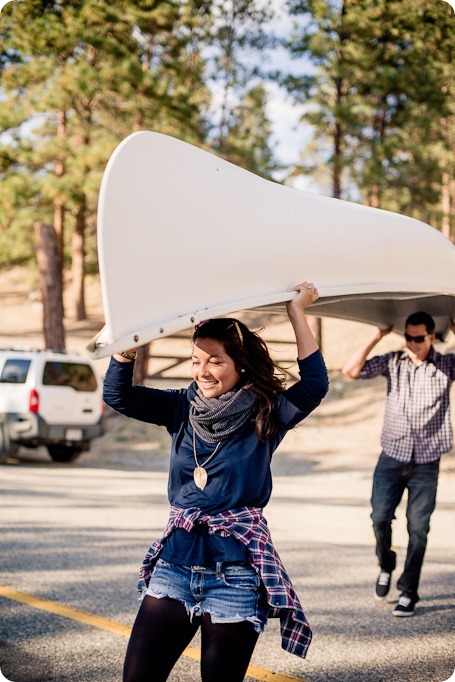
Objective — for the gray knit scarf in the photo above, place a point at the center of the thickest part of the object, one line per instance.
(213, 419)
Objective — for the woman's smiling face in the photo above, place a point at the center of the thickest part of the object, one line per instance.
(212, 368)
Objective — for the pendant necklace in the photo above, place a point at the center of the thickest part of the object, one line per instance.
(200, 474)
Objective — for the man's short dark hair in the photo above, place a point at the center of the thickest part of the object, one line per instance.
(422, 318)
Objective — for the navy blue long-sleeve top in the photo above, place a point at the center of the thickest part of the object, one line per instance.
(239, 474)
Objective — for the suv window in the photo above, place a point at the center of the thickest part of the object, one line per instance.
(77, 375)
(15, 371)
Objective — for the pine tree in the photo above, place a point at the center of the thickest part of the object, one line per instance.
(379, 100)
(85, 74)
(323, 36)
(248, 138)
(408, 105)
(241, 131)
(63, 52)
(171, 96)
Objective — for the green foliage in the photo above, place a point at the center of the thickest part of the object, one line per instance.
(79, 76)
(408, 97)
(242, 131)
(379, 99)
(247, 142)
(101, 65)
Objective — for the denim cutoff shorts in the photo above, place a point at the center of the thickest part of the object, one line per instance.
(228, 592)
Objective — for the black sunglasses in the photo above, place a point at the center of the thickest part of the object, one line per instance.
(416, 339)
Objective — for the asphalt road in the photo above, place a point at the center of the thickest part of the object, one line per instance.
(75, 535)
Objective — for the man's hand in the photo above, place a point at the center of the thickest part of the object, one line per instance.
(384, 332)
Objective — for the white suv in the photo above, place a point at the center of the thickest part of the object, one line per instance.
(49, 398)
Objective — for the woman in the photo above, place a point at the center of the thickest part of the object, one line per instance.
(215, 567)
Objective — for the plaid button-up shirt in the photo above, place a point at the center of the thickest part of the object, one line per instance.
(417, 417)
(247, 525)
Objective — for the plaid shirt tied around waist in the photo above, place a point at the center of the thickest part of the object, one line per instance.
(417, 416)
(247, 525)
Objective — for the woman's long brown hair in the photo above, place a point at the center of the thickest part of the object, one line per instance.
(249, 353)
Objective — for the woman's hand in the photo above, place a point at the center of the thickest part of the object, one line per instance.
(126, 356)
(307, 294)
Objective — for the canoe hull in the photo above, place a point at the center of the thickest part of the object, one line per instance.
(184, 235)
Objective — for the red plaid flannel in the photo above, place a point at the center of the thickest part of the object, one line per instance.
(248, 525)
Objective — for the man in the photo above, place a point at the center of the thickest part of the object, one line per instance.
(416, 432)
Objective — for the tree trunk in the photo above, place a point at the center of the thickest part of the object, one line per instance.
(141, 364)
(445, 201)
(47, 255)
(374, 202)
(59, 170)
(337, 161)
(445, 183)
(340, 97)
(78, 258)
(378, 151)
(452, 198)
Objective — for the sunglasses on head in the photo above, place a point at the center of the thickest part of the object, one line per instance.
(416, 339)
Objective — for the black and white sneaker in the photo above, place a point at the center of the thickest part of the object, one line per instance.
(382, 585)
(405, 607)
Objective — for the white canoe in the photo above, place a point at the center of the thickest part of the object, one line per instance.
(184, 235)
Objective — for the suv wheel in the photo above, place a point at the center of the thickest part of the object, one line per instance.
(64, 453)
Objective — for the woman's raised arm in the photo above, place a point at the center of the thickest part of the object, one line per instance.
(307, 294)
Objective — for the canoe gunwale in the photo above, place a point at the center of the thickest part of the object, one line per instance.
(105, 343)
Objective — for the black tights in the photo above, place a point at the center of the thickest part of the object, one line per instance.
(163, 630)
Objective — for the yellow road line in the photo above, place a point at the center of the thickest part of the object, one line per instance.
(257, 673)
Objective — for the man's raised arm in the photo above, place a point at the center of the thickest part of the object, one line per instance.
(354, 365)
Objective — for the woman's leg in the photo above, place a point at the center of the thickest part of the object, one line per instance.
(160, 634)
(226, 650)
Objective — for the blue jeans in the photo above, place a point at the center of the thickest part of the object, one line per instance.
(390, 480)
(230, 593)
